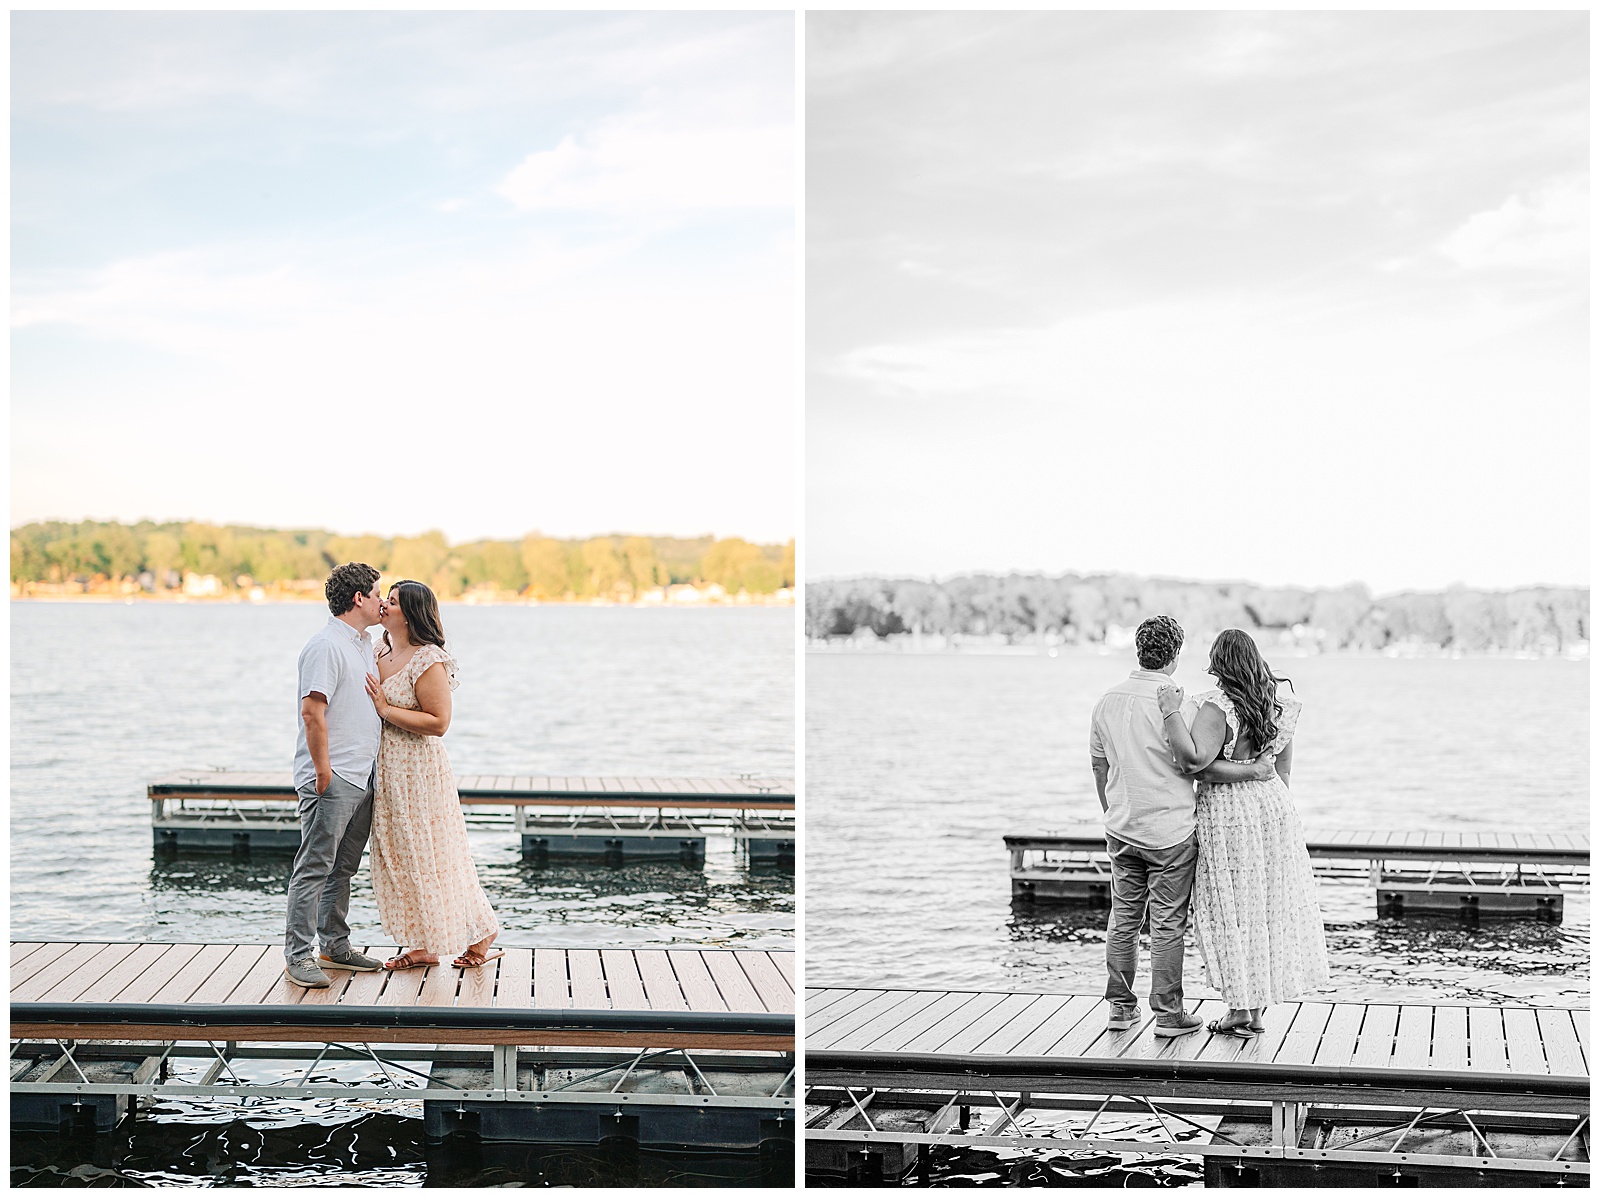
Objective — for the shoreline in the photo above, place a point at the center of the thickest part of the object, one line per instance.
(978, 647)
(463, 601)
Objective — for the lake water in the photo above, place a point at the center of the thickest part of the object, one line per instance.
(918, 764)
(105, 697)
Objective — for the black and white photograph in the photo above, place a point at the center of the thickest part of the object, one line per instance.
(1196, 599)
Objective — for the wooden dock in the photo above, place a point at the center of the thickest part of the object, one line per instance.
(609, 996)
(941, 1050)
(612, 817)
(561, 1045)
(1489, 873)
(512, 790)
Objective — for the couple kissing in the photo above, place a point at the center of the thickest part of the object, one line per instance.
(369, 761)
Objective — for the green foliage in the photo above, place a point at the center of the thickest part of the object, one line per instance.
(613, 566)
(740, 566)
(1081, 609)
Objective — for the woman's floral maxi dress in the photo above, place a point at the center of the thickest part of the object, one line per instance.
(423, 877)
(1256, 917)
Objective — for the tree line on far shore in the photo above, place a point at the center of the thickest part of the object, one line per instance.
(1084, 609)
(94, 554)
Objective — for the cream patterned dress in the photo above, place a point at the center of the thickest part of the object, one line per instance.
(1255, 910)
(423, 877)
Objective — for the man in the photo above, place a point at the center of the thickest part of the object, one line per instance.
(1149, 817)
(334, 758)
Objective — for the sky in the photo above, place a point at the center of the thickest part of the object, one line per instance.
(484, 273)
(1291, 298)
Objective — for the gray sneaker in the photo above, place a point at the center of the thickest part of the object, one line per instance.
(1176, 1025)
(305, 972)
(349, 959)
(1120, 1019)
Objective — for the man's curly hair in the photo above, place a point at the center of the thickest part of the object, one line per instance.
(345, 583)
(1158, 640)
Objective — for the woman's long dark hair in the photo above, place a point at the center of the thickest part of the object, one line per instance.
(421, 611)
(1245, 677)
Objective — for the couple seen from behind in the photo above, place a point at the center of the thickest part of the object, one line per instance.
(1198, 816)
(369, 761)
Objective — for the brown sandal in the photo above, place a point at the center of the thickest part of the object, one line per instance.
(405, 961)
(475, 960)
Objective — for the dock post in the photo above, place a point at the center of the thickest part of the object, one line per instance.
(505, 1068)
(1288, 1124)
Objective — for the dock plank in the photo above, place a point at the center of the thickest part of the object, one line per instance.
(21, 948)
(550, 992)
(694, 979)
(513, 987)
(623, 982)
(933, 1037)
(985, 1025)
(477, 985)
(1413, 1038)
(767, 979)
(1300, 1045)
(828, 1016)
(920, 1021)
(660, 983)
(1079, 1039)
(1004, 1041)
(588, 980)
(439, 985)
(1449, 1038)
(1580, 1025)
(231, 971)
(893, 1009)
(182, 985)
(1376, 1043)
(785, 964)
(1278, 1019)
(403, 986)
(1339, 1037)
(1524, 1045)
(1486, 1040)
(1561, 1047)
(63, 967)
(832, 1032)
(73, 982)
(43, 958)
(733, 983)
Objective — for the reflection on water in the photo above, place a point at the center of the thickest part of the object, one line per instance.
(1415, 959)
(183, 1144)
(646, 904)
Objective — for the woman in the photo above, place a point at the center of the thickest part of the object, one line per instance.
(422, 871)
(1255, 909)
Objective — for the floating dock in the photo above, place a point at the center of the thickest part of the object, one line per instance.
(612, 818)
(688, 1047)
(1332, 1093)
(1468, 874)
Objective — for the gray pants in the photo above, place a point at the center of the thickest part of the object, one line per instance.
(1160, 879)
(333, 833)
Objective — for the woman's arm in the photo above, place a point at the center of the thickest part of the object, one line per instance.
(433, 696)
(1223, 770)
(1285, 760)
(1197, 747)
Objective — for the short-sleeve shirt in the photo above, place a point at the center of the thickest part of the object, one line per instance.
(1149, 802)
(335, 663)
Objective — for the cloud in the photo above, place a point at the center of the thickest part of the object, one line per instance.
(1546, 228)
(632, 166)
